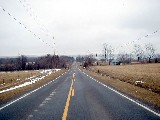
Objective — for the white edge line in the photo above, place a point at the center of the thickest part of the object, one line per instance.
(28, 94)
(126, 97)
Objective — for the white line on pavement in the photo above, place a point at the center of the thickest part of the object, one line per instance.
(25, 95)
(124, 96)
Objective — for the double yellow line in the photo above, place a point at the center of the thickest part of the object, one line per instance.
(70, 94)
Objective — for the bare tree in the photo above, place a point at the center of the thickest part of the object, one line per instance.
(21, 62)
(138, 51)
(108, 52)
(55, 61)
(150, 51)
(124, 58)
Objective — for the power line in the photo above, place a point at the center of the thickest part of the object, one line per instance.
(24, 26)
(140, 38)
(30, 11)
(145, 36)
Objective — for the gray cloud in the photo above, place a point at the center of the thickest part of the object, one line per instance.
(77, 25)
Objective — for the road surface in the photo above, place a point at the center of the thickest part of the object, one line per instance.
(75, 96)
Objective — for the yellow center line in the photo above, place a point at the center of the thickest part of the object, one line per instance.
(71, 92)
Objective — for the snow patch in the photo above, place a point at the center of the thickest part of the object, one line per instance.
(3, 83)
(32, 79)
(139, 82)
(17, 79)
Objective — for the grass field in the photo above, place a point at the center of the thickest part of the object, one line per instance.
(21, 76)
(143, 75)
(8, 79)
(141, 81)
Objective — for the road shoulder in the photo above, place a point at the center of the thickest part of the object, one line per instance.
(138, 94)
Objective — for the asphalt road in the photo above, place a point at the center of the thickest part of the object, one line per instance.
(75, 97)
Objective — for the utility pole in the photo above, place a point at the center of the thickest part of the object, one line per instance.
(105, 53)
(54, 49)
(54, 56)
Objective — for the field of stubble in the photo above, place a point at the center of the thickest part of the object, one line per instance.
(143, 75)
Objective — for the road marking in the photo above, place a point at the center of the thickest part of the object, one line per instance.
(44, 102)
(53, 92)
(73, 76)
(71, 93)
(25, 95)
(30, 116)
(47, 99)
(36, 110)
(41, 105)
(51, 95)
(158, 114)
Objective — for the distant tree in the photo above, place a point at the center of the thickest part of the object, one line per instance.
(108, 52)
(157, 59)
(79, 58)
(55, 61)
(124, 58)
(65, 61)
(85, 65)
(121, 57)
(138, 51)
(0, 61)
(150, 51)
(21, 62)
(87, 59)
(32, 63)
(48, 61)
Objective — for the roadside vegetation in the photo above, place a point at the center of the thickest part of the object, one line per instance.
(21, 77)
(9, 79)
(146, 76)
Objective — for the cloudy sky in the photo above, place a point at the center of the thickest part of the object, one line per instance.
(78, 26)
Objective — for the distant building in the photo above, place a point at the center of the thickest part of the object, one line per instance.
(30, 66)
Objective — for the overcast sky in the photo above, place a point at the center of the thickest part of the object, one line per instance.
(78, 26)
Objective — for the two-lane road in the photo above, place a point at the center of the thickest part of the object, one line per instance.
(76, 97)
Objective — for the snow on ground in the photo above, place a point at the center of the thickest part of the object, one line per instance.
(139, 82)
(3, 83)
(33, 79)
(49, 71)
(17, 79)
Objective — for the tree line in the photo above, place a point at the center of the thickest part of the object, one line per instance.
(35, 63)
(139, 54)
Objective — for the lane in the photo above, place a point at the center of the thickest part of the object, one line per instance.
(93, 101)
(87, 100)
(46, 103)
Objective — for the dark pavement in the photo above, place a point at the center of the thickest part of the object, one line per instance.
(89, 100)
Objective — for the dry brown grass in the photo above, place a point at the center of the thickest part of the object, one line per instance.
(8, 79)
(8, 95)
(147, 73)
